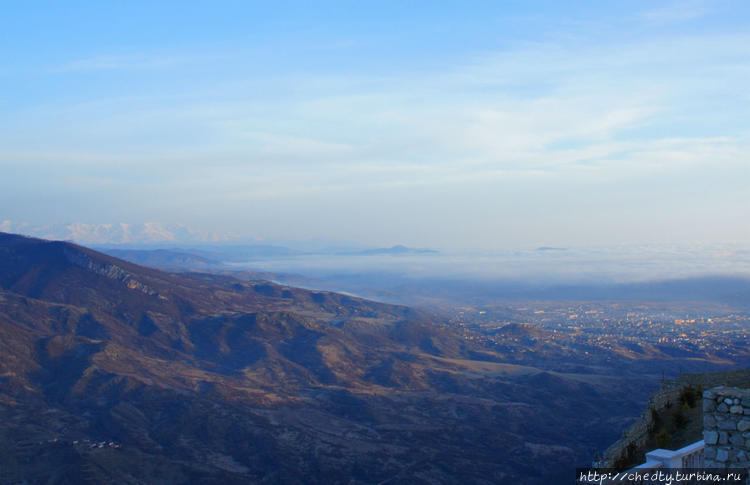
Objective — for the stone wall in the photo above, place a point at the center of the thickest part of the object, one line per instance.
(726, 427)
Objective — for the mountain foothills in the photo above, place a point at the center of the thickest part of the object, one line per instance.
(115, 372)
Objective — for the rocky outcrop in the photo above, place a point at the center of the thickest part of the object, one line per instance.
(110, 271)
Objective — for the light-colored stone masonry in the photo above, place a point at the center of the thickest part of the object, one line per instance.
(726, 427)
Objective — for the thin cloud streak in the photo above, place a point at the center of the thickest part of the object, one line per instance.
(119, 63)
(676, 12)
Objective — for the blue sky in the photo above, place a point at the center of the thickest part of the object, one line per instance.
(444, 124)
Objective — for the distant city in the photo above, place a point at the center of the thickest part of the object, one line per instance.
(610, 327)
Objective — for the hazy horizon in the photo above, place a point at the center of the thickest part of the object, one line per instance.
(319, 257)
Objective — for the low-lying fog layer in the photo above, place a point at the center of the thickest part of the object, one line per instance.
(550, 265)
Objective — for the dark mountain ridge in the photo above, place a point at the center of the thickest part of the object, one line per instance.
(203, 378)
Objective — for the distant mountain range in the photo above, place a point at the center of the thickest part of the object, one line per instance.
(127, 238)
(398, 249)
(112, 372)
(164, 258)
(117, 233)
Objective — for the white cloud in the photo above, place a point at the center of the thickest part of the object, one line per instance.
(679, 11)
(295, 147)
